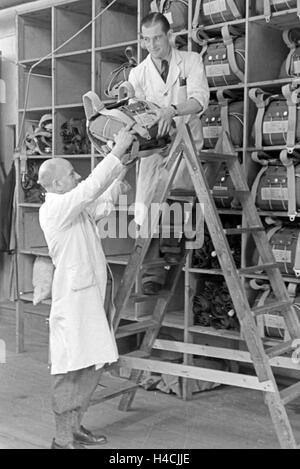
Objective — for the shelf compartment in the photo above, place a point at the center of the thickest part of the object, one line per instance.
(35, 30)
(31, 236)
(40, 86)
(267, 46)
(73, 79)
(117, 24)
(69, 19)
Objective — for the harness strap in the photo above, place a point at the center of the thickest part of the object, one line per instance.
(234, 9)
(258, 96)
(195, 22)
(292, 99)
(228, 41)
(291, 184)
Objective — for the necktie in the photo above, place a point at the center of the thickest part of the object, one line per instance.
(164, 70)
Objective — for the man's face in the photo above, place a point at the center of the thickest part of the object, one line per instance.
(66, 177)
(156, 41)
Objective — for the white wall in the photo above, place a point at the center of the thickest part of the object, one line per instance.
(8, 111)
(8, 117)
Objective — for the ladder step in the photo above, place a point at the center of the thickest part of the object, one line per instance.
(258, 268)
(290, 394)
(212, 157)
(113, 391)
(253, 229)
(154, 263)
(280, 349)
(135, 328)
(140, 298)
(276, 306)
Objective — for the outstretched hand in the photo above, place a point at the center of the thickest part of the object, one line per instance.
(123, 141)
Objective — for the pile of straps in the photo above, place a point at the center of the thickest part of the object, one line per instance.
(33, 191)
(121, 73)
(206, 257)
(38, 140)
(74, 137)
(214, 308)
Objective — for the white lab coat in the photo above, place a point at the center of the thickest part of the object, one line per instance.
(149, 85)
(80, 335)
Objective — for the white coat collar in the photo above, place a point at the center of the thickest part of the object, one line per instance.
(174, 69)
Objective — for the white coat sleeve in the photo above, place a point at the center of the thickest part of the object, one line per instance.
(69, 205)
(105, 204)
(196, 81)
(135, 79)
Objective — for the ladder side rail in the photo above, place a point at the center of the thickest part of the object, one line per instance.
(265, 250)
(142, 243)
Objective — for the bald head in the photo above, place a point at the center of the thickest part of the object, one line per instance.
(57, 175)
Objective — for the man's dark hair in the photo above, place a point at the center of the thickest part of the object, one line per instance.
(155, 18)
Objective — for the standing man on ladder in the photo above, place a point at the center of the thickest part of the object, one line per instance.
(175, 80)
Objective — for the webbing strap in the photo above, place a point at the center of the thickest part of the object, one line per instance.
(228, 41)
(267, 10)
(153, 6)
(234, 9)
(255, 185)
(296, 267)
(224, 103)
(258, 96)
(291, 184)
(92, 104)
(292, 100)
(196, 14)
(292, 46)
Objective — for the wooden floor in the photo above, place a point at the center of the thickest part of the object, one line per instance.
(223, 418)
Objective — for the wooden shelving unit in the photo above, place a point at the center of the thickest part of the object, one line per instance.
(59, 82)
(56, 87)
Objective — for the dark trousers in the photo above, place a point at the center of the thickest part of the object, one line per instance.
(71, 395)
(72, 392)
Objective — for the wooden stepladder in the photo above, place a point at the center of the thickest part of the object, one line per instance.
(262, 357)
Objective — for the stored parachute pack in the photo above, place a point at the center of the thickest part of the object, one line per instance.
(104, 122)
(223, 57)
(285, 244)
(176, 12)
(278, 117)
(217, 11)
(225, 114)
(267, 7)
(277, 185)
(38, 140)
(272, 324)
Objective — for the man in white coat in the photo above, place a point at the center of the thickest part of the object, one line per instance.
(175, 80)
(81, 338)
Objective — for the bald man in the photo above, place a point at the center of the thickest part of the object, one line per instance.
(81, 337)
